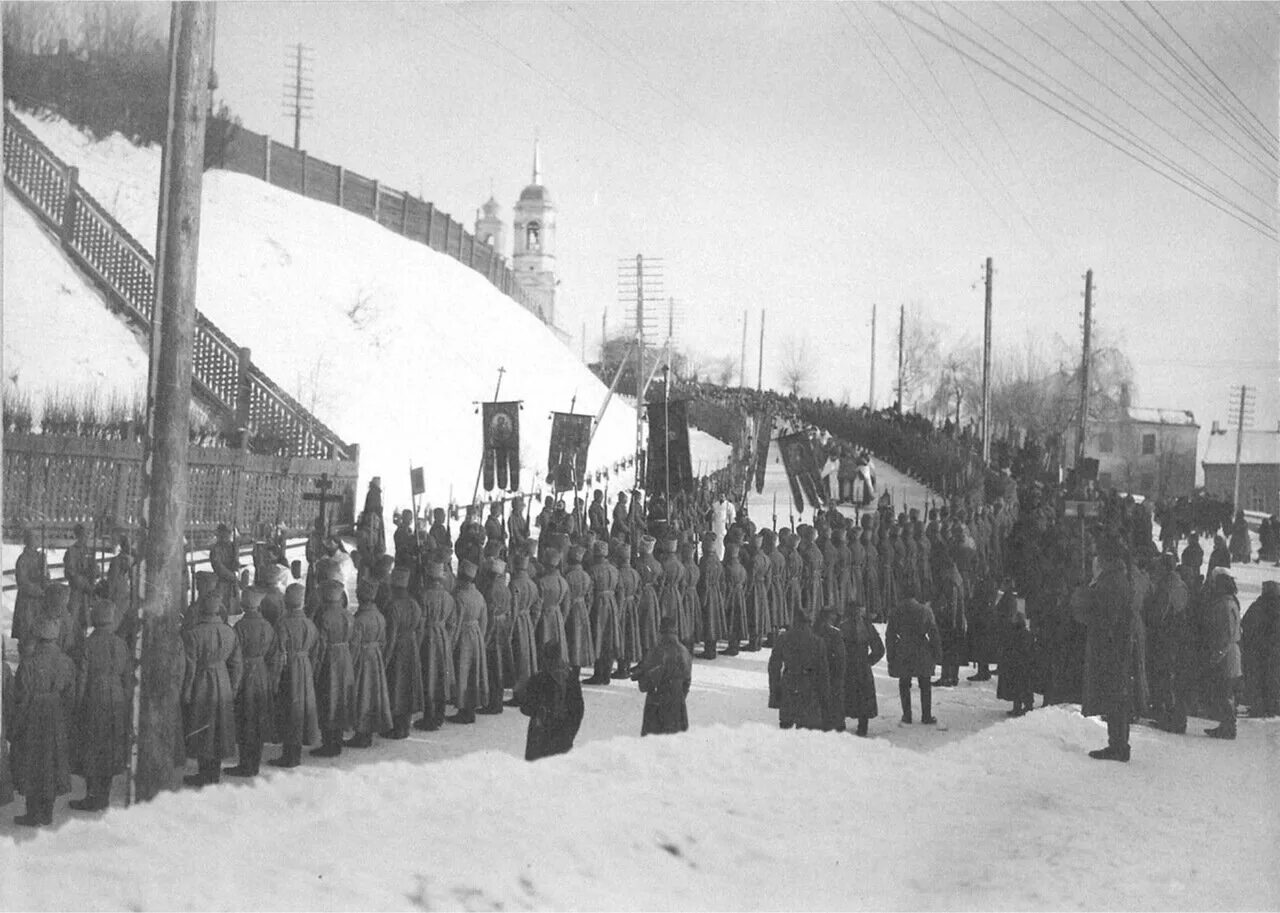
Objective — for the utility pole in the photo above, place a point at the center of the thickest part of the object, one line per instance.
(986, 372)
(604, 333)
(902, 337)
(299, 94)
(1085, 360)
(760, 367)
(871, 394)
(153, 766)
(1244, 415)
(742, 371)
(584, 342)
(640, 375)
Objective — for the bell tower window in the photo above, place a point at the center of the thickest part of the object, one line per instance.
(533, 236)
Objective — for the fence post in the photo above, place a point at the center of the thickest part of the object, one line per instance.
(376, 201)
(266, 159)
(431, 221)
(304, 172)
(404, 215)
(243, 395)
(342, 175)
(67, 227)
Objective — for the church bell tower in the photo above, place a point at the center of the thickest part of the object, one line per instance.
(534, 260)
(489, 227)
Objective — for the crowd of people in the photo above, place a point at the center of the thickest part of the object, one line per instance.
(513, 610)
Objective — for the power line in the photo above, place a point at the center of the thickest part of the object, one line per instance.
(1265, 230)
(937, 140)
(1266, 131)
(1222, 131)
(1135, 108)
(1264, 140)
(1086, 108)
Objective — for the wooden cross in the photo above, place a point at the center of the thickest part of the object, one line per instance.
(324, 483)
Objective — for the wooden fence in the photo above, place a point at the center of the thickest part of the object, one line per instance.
(54, 482)
(224, 378)
(262, 157)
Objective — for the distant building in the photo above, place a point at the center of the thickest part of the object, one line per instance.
(1143, 451)
(489, 227)
(1259, 468)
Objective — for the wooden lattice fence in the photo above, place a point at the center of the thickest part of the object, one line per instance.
(54, 482)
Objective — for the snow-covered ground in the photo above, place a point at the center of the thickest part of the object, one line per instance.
(390, 342)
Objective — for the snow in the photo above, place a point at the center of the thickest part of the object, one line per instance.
(1157, 416)
(389, 342)
(58, 336)
(1257, 448)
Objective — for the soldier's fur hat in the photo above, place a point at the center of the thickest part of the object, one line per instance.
(467, 569)
(601, 548)
(551, 557)
(367, 589)
(295, 596)
(646, 544)
(708, 538)
(56, 598)
(575, 554)
(251, 599)
(434, 570)
(46, 629)
(328, 569)
(400, 577)
(103, 614)
(498, 567)
(332, 592)
(205, 581)
(519, 562)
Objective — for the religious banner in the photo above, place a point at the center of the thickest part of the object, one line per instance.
(567, 455)
(417, 481)
(802, 469)
(501, 446)
(669, 464)
(764, 433)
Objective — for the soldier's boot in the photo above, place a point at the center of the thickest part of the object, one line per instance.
(926, 706)
(211, 770)
(399, 727)
(708, 650)
(245, 767)
(623, 670)
(732, 648)
(359, 740)
(34, 816)
(462, 716)
(46, 812)
(331, 745)
(862, 727)
(982, 675)
(291, 756)
(601, 674)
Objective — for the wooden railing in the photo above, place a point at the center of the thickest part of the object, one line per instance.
(224, 378)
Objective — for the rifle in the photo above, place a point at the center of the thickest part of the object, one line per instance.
(775, 511)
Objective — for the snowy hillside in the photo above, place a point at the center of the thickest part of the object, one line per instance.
(389, 342)
(1014, 817)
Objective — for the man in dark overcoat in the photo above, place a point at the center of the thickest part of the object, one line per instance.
(914, 648)
(44, 697)
(664, 675)
(799, 676)
(552, 699)
(1106, 674)
(209, 685)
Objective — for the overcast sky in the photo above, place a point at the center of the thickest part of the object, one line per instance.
(813, 159)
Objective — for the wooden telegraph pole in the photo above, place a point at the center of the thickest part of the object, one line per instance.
(1244, 417)
(742, 371)
(760, 365)
(157, 757)
(871, 394)
(902, 338)
(1085, 360)
(986, 372)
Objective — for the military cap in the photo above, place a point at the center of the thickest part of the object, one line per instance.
(400, 577)
(205, 581)
(328, 569)
(575, 554)
(434, 570)
(103, 614)
(332, 592)
(601, 548)
(367, 589)
(709, 538)
(46, 629)
(551, 557)
(251, 599)
(57, 597)
(467, 569)
(498, 566)
(519, 561)
(295, 596)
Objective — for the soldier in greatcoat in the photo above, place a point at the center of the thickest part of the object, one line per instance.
(953, 624)
(553, 595)
(335, 678)
(211, 678)
(81, 572)
(297, 714)
(102, 709)
(628, 597)
(1106, 679)
(499, 656)
(664, 675)
(524, 633)
(552, 699)
(794, 582)
(57, 601)
(648, 608)
(255, 702)
(372, 708)
(777, 586)
(799, 676)
(224, 558)
(31, 575)
(439, 613)
(577, 620)
(833, 711)
(914, 649)
(471, 677)
(405, 629)
(689, 604)
(864, 648)
(758, 586)
(604, 616)
(735, 599)
(711, 618)
(44, 698)
(811, 575)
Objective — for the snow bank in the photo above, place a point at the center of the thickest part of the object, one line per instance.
(728, 818)
(389, 342)
(58, 336)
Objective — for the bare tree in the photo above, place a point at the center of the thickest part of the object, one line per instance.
(797, 365)
(921, 354)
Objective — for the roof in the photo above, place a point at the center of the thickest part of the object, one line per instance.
(1258, 448)
(1162, 416)
(535, 193)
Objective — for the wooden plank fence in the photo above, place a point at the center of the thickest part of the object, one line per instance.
(260, 156)
(55, 482)
(224, 378)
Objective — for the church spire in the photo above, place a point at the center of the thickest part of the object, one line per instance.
(537, 163)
